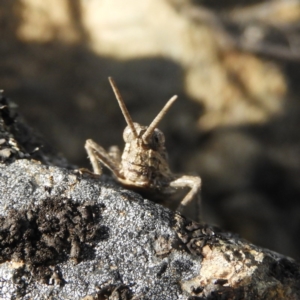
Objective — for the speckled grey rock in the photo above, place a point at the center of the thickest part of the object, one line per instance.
(66, 235)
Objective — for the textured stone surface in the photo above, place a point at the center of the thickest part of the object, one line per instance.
(69, 236)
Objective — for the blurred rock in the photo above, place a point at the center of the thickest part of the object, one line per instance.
(221, 173)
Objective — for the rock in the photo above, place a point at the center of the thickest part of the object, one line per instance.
(66, 235)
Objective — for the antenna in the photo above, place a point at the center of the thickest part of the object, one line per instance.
(123, 106)
(158, 118)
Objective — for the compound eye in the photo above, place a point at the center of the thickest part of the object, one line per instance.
(158, 138)
(128, 135)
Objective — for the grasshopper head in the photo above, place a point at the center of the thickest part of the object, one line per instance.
(149, 136)
(155, 141)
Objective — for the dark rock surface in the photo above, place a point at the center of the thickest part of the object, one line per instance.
(64, 235)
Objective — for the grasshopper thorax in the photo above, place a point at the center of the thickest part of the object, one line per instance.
(144, 161)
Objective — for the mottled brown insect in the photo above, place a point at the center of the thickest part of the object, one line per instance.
(143, 166)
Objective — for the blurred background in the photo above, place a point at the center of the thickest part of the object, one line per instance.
(234, 64)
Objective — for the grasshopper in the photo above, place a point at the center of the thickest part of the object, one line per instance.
(143, 166)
